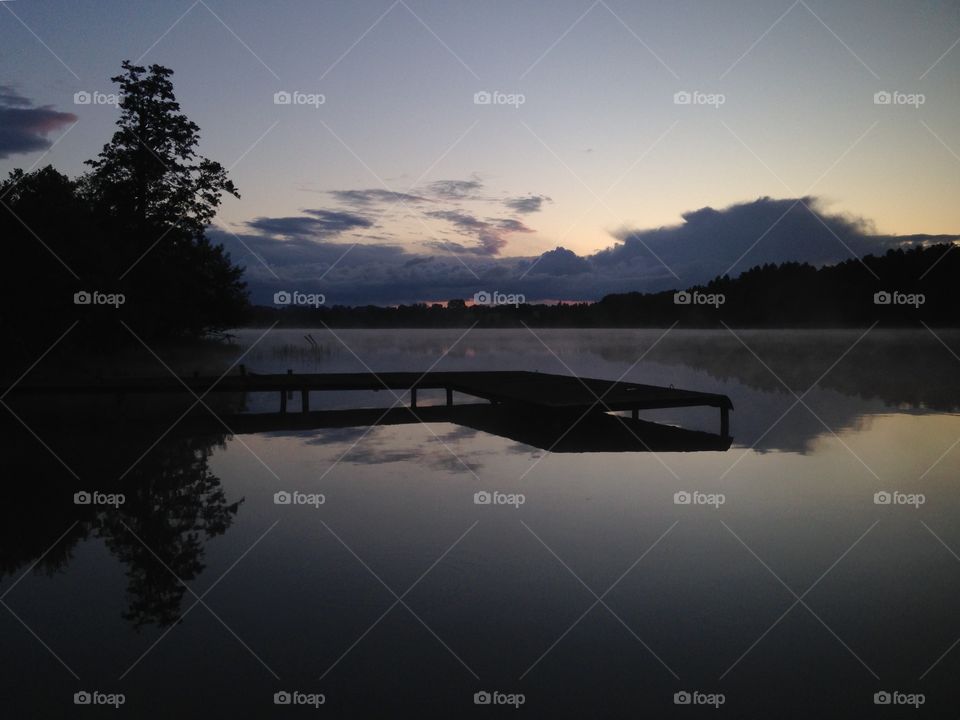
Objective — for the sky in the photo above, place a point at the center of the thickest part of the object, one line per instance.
(559, 149)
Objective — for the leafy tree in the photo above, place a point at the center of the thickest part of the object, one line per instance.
(149, 174)
(44, 246)
(134, 224)
(155, 196)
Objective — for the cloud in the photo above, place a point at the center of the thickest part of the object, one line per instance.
(440, 200)
(23, 126)
(490, 233)
(511, 225)
(455, 189)
(10, 98)
(347, 273)
(363, 199)
(712, 242)
(526, 203)
(560, 261)
(317, 224)
(461, 219)
(704, 244)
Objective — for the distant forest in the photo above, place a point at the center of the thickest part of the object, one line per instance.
(900, 288)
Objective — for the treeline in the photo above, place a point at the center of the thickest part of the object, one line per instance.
(900, 288)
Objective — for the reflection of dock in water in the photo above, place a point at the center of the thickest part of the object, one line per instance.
(566, 413)
(561, 431)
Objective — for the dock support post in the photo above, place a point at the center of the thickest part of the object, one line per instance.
(305, 400)
(286, 395)
(725, 422)
(413, 397)
(449, 397)
(635, 414)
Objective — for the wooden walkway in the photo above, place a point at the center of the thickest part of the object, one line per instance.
(546, 393)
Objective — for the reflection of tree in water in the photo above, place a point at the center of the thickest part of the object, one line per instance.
(174, 504)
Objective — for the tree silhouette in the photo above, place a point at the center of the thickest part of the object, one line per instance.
(45, 234)
(156, 196)
(149, 174)
(135, 224)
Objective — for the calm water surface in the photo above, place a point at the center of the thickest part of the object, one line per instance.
(794, 593)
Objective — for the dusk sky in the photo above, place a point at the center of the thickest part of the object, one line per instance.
(399, 186)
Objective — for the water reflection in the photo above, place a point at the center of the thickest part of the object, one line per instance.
(554, 431)
(173, 504)
(399, 495)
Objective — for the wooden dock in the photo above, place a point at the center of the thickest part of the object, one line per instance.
(542, 392)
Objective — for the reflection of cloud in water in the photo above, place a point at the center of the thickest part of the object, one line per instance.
(436, 453)
(382, 445)
(459, 432)
(521, 449)
(328, 436)
(445, 462)
(364, 456)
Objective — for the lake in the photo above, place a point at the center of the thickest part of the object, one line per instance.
(813, 565)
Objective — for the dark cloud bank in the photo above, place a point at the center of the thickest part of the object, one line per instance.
(708, 242)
